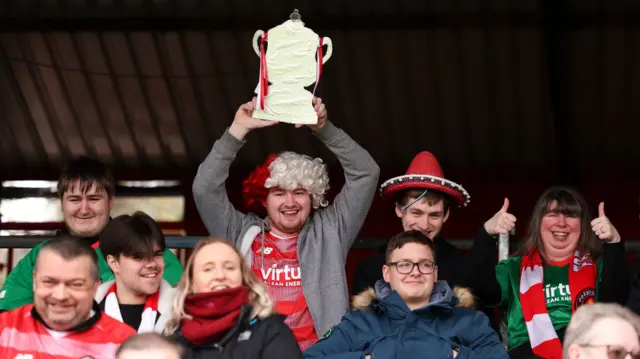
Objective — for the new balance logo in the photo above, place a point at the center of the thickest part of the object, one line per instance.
(267, 250)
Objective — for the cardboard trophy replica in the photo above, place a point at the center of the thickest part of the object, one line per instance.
(288, 64)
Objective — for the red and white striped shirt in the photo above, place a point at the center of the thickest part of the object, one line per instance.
(23, 336)
(281, 277)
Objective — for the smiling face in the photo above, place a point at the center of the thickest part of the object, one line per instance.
(424, 217)
(560, 232)
(414, 286)
(86, 213)
(63, 290)
(287, 210)
(137, 278)
(216, 266)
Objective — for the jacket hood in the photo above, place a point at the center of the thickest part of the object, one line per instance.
(441, 295)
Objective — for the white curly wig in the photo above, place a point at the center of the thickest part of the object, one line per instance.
(291, 170)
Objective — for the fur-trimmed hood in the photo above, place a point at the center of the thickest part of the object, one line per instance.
(459, 297)
(388, 328)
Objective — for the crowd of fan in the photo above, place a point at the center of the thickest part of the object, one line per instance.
(271, 282)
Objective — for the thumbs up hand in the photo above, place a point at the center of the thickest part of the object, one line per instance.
(603, 227)
(502, 222)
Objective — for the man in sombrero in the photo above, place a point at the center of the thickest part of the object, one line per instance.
(423, 198)
(300, 248)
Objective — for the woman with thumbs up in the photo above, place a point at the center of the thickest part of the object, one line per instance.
(567, 259)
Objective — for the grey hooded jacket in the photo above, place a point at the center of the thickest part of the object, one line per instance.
(325, 238)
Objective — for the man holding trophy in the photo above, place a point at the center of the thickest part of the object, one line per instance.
(299, 250)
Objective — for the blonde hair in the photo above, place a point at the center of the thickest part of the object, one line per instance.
(290, 170)
(258, 298)
(583, 319)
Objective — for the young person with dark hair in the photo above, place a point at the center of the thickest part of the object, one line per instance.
(86, 188)
(133, 247)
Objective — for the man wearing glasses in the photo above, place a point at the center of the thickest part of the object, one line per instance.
(602, 330)
(410, 314)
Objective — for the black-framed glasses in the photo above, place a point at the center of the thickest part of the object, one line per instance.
(614, 351)
(406, 267)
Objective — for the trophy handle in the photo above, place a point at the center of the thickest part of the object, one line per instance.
(327, 41)
(259, 34)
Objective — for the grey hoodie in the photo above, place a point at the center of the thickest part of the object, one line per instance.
(326, 237)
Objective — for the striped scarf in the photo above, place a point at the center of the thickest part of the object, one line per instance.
(582, 282)
(149, 312)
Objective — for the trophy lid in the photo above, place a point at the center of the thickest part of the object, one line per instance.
(295, 15)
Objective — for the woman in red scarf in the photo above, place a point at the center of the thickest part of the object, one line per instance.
(567, 259)
(222, 311)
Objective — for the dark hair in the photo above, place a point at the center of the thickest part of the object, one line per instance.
(570, 203)
(145, 341)
(131, 236)
(432, 197)
(88, 172)
(412, 236)
(70, 247)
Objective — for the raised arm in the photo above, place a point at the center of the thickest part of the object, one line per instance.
(481, 265)
(209, 192)
(350, 207)
(614, 284)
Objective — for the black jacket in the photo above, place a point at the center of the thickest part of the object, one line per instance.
(634, 292)
(248, 339)
(475, 271)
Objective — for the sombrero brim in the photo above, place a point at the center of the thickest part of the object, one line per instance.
(456, 191)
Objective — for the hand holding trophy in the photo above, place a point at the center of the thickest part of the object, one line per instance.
(244, 122)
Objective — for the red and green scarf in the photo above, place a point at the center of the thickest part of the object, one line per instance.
(582, 283)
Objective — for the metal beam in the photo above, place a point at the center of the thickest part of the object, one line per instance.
(169, 21)
(253, 22)
(15, 192)
(190, 241)
(178, 242)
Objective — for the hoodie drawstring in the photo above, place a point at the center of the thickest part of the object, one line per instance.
(262, 245)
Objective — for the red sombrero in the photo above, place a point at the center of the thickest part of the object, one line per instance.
(425, 172)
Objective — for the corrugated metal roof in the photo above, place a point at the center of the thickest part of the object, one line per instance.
(542, 94)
